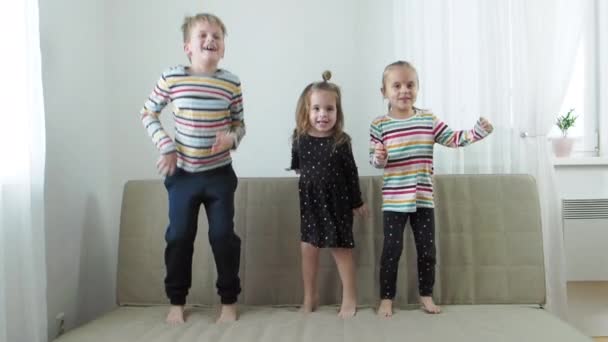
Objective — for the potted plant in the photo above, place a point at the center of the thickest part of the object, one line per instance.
(562, 147)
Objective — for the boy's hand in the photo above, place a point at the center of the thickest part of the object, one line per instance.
(486, 125)
(167, 163)
(380, 153)
(223, 142)
(361, 211)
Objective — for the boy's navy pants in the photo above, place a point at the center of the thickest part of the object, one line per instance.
(187, 191)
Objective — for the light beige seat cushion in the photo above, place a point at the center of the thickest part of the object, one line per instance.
(470, 323)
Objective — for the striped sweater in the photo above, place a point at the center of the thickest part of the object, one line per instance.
(408, 169)
(203, 105)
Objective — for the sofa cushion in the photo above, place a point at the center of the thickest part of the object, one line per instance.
(471, 323)
(488, 240)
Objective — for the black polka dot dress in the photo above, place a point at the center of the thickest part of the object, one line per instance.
(329, 191)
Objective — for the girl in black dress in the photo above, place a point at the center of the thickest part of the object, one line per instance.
(329, 190)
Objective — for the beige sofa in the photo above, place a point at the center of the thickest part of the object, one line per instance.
(490, 273)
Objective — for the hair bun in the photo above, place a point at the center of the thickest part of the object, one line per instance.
(326, 75)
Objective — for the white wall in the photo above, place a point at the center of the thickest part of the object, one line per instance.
(101, 59)
(582, 182)
(276, 51)
(80, 248)
(587, 301)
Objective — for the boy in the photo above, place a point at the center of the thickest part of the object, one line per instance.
(208, 114)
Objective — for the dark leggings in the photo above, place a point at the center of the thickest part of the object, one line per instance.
(187, 191)
(423, 227)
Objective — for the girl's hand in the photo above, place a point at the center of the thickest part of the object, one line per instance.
(223, 142)
(297, 171)
(380, 153)
(486, 125)
(361, 211)
(167, 163)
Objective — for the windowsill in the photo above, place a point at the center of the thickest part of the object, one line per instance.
(581, 161)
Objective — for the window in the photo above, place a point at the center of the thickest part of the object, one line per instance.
(582, 94)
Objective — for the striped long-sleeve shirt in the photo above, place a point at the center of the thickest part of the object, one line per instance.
(408, 169)
(203, 106)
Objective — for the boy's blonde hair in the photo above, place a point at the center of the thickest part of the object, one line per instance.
(190, 21)
(303, 110)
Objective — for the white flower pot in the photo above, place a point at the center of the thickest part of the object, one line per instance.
(562, 147)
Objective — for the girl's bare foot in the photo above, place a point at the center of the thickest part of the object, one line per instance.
(348, 308)
(429, 306)
(310, 304)
(175, 315)
(228, 313)
(346, 268)
(385, 310)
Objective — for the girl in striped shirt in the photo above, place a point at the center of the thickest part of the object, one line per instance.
(401, 143)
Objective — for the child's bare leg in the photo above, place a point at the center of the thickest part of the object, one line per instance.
(428, 305)
(176, 314)
(310, 268)
(385, 310)
(228, 313)
(346, 268)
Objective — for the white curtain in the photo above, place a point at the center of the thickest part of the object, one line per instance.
(509, 61)
(23, 303)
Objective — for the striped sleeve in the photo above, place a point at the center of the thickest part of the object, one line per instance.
(237, 126)
(375, 137)
(445, 136)
(149, 115)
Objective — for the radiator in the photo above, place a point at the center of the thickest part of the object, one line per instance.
(585, 239)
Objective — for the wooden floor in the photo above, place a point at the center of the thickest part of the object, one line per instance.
(600, 339)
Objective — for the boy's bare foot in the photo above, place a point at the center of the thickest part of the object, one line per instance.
(228, 313)
(310, 304)
(385, 310)
(429, 306)
(175, 315)
(348, 308)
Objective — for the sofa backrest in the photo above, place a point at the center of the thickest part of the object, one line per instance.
(488, 233)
